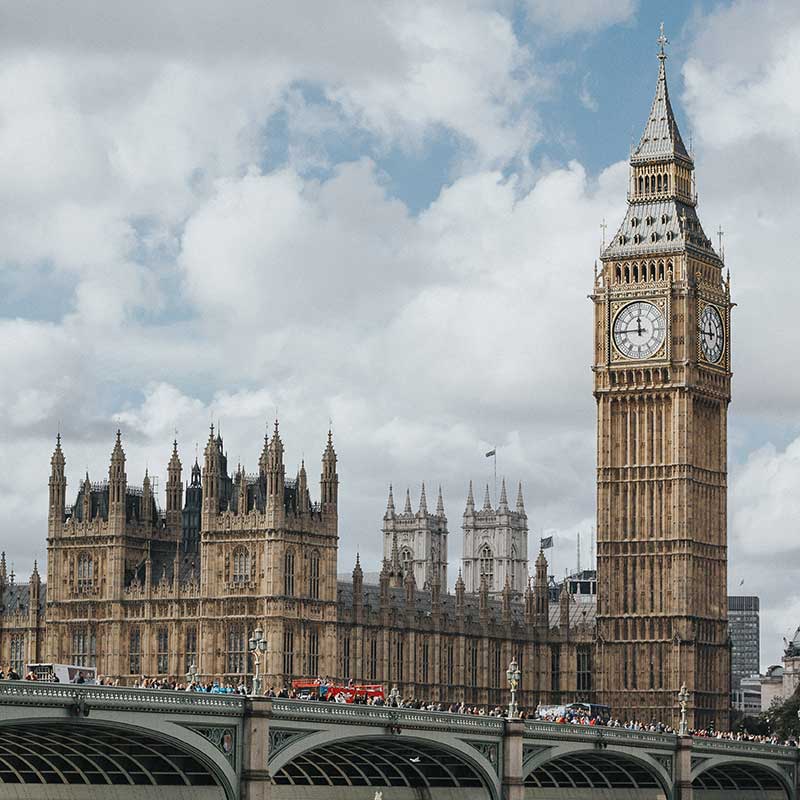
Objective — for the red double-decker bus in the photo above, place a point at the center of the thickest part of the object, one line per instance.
(320, 690)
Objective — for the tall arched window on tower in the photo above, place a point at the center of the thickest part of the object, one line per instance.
(241, 565)
(406, 559)
(487, 565)
(135, 652)
(85, 573)
(288, 573)
(513, 566)
(84, 647)
(313, 575)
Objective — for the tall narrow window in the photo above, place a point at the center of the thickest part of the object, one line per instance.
(555, 669)
(235, 654)
(162, 651)
(85, 572)
(373, 658)
(406, 560)
(487, 565)
(191, 647)
(288, 573)
(288, 652)
(313, 653)
(584, 668)
(345, 666)
(241, 565)
(399, 652)
(495, 665)
(135, 652)
(450, 663)
(472, 661)
(18, 653)
(313, 576)
(426, 652)
(84, 647)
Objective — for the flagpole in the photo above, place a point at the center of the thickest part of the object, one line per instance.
(495, 472)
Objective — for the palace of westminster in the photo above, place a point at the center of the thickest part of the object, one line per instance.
(137, 591)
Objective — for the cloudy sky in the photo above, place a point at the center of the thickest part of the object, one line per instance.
(384, 215)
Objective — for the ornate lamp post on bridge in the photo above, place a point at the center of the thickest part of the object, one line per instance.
(514, 676)
(683, 701)
(258, 645)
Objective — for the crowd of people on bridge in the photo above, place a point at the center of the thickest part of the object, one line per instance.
(395, 700)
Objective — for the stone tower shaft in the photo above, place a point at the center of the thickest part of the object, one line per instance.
(662, 385)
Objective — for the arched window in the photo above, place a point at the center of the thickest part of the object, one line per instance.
(513, 566)
(288, 573)
(647, 184)
(635, 273)
(619, 274)
(235, 654)
(652, 270)
(162, 651)
(666, 182)
(135, 652)
(487, 564)
(313, 575)
(406, 559)
(641, 185)
(84, 647)
(85, 572)
(628, 269)
(241, 565)
(659, 182)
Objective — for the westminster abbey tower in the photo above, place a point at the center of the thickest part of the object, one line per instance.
(662, 384)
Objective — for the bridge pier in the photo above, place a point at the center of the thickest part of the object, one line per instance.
(683, 769)
(513, 784)
(255, 783)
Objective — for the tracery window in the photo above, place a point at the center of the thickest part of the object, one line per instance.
(313, 653)
(406, 559)
(191, 647)
(84, 647)
(584, 668)
(241, 565)
(85, 575)
(162, 651)
(487, 565)
(236, 652)
(18, 653)
(373, 658)
(135, 652)
(288, 652)
(345, 668)
(288, 573)
(313, 576)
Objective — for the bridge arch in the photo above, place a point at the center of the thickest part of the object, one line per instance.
(138, 762)
(443, 766)
(739, 778)
(608, 773)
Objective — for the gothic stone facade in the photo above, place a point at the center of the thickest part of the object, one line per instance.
(136, 592)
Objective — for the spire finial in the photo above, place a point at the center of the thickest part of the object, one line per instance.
(407, 508)
(662, 40)
(423, 501)
(440, 504)
(487, 503)
(390, 502)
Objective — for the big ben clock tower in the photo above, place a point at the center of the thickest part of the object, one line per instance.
(662, 384)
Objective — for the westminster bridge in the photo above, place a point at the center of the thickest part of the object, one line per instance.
(63, 741)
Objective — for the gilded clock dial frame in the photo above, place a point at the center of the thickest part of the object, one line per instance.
(711, 334)
(639, 330)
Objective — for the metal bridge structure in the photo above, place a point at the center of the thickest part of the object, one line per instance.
(65, 741)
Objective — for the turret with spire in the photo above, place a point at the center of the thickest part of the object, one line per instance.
(146, 515)
(389, 505)
(174, 489)
(212, 477)
(275, 475)
(358, 589)
(329, 481)
(58, 490)
(117, 487)
(541, 593)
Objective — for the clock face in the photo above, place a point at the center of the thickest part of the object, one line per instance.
(712, 334)
(639, 330)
